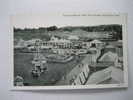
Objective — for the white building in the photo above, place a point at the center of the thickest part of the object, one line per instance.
(19, 81)
(33, 41)
(53, 39)
(97, 43)
(21, 44)
(58, 43)
(110, 57)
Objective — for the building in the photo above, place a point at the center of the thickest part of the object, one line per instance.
(33, 41)
(57, 43)
(97, 43)
(110, 57)
(53, 38)
(20, 44)
(110, 48)
(19, 81)
(86, 45)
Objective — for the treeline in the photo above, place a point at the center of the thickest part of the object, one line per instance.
(114, 28)
(35, 30)
(29, 33)
(41, 32)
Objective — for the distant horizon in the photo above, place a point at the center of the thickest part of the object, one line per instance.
(64, 26)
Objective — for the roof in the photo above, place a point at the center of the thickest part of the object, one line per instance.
(109, 57)
(20, 44)
(18, 79)
(59, 40)
(110, 46)
(96, 41)
(92, 48)
(33, 40)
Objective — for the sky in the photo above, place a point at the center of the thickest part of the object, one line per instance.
(61, 20)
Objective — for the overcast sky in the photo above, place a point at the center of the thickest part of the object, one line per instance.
(46, 20)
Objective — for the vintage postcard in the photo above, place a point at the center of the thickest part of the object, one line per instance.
(69, 51)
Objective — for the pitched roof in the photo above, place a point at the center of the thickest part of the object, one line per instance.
(110, 46)
(109, 57)
(96, 41)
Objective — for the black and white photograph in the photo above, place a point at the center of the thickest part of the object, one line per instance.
(68, 51)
